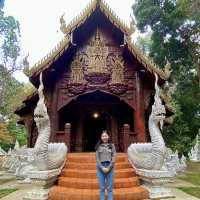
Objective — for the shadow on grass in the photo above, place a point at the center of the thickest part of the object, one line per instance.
(5, 192)
(191, 177)
(2, 181)
(194, 191)
(193, 167)
(192, 173)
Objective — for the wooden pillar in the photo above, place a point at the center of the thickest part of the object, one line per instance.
(126, 138)
(79, 135)
(114, 131)
(28, 123)
(139, 120)
(54, 115)
(68, 136)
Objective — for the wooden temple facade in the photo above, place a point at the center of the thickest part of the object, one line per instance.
(95, 79)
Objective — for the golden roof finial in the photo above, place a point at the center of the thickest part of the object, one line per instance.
(97, 36)
(98, 1)
(167, 68)
(62, 23)
(132, 25)
(25, 64)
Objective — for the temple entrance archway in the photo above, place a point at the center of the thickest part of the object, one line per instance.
(89, 114)
(93, 125)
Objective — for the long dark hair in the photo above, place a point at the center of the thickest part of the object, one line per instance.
(100, 141)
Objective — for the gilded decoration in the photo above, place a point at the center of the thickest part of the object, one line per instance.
(117, 84)
(77, 81)
(97, 52)
(168, 69)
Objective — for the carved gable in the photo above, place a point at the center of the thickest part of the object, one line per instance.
(97, 65)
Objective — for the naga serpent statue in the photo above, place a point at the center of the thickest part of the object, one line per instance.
(44, 156)
(47, 155)
(151, 155)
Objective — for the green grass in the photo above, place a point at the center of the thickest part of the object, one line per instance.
(5, 192)
(193, 178)
(192, 175)
(194, 191)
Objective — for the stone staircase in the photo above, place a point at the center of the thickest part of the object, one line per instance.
(78, 180)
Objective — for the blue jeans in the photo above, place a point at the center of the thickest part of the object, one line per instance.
(105, 181)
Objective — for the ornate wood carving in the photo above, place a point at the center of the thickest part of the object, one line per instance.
(77, 81)
(98, 65)
(97, 71)
(117, 84)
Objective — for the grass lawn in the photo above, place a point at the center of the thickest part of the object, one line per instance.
(192, 175)
(193, 166)
(194, 191)
(5, 192)
(2, 181)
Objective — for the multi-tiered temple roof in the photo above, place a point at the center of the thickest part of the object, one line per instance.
(97, 12)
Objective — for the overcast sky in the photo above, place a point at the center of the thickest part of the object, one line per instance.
(39, 22)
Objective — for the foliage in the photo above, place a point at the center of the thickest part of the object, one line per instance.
(9, 37)
(5, 137)
(144, 42)
(14, 92)
(11, 90)
(175, 37)
(9, 47)
(18, 132)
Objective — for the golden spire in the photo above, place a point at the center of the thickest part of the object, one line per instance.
(25, 64)
(132, 25)
(167, 68)
(62, 23)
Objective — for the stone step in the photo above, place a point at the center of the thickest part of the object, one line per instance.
(83, 166)
(82, 154)
(91, 158)
(90, 183)
(78, 180)
(76, 173)
(62, 193)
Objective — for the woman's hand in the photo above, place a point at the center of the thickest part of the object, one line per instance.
(105, 170)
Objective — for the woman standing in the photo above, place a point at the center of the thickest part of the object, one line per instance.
(105, 158)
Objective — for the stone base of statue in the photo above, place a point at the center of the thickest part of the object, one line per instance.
(37, 194)
(41, 181)
(154, 181)
(44, 178)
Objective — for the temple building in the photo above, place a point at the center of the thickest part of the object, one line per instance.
(95, 79)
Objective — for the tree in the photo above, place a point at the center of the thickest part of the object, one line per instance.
(175, 29)
(10, 47)
(9, 35)
(14, 92)
(144, 42)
